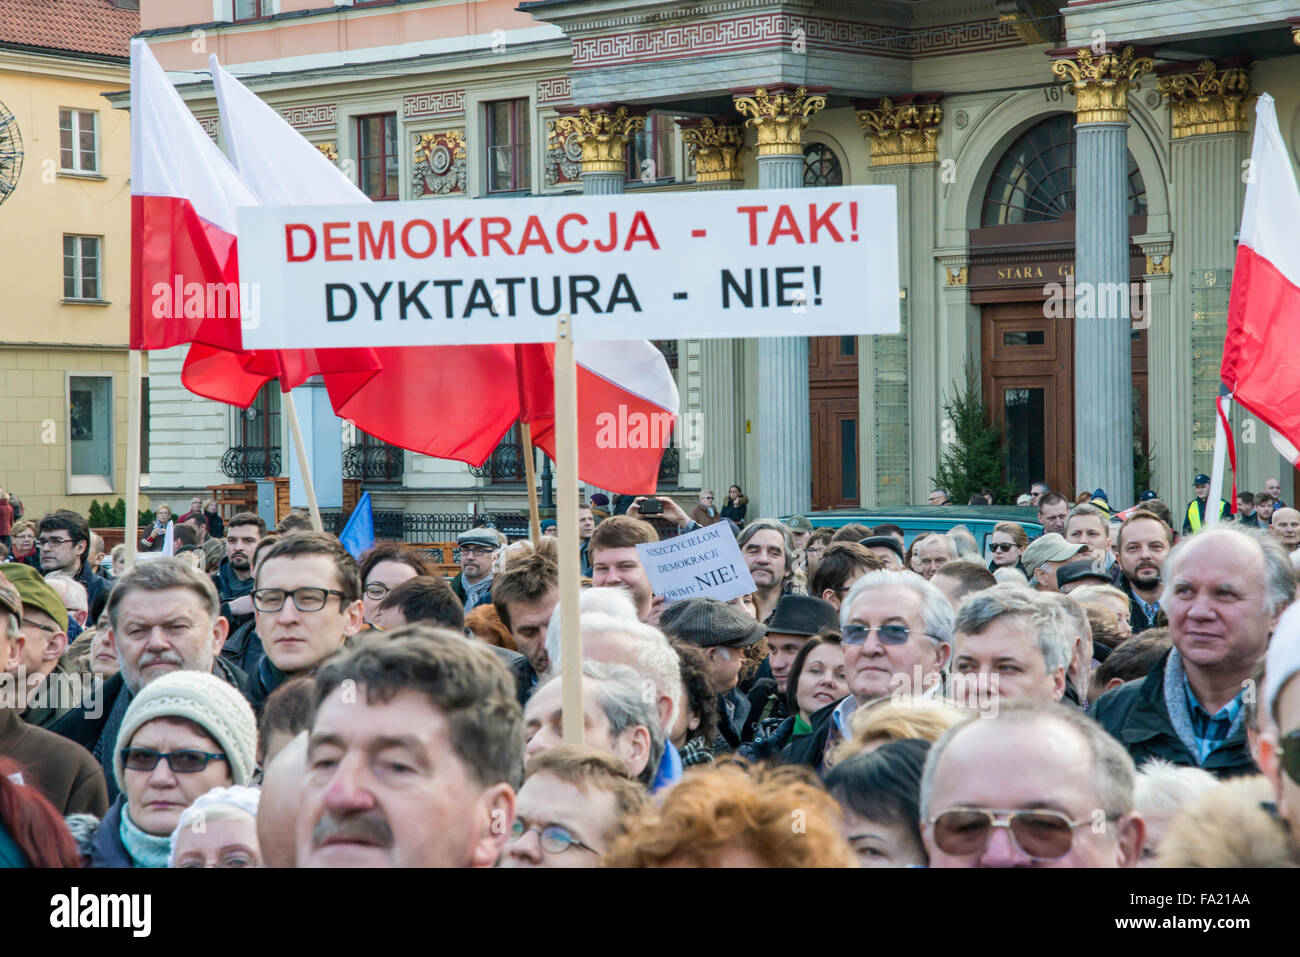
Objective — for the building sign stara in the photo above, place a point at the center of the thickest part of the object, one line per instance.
(667, 266)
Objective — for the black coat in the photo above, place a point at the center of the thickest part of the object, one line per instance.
(736, 512)
(1135, 715)
(807, 749)
(1137, 618)
(106, 847)
(769, 747)
(244, 648)
(765, 704)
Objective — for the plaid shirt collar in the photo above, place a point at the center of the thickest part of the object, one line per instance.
(1211, 730)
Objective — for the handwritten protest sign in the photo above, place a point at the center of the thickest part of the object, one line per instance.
(705, 563)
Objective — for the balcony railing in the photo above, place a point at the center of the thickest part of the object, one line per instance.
(250, 462)
(373, 463)
(505, 464)
(432, 526)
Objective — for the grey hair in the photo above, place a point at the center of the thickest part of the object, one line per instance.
(1163, 787)
(618, 692)
(1011, 575)
(963, 543)
(770, 524)
(1085, 593)
(615, 602)
(161, 574)
(936, 610)
(1279, 574)
(71, 592)
(1046, 621)
(1091, 511)
(1112, 768)
(1076, 616)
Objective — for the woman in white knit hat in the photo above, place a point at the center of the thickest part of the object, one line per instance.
(218, 830)
(185, 733)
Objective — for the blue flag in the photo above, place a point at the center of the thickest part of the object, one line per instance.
(358, 535)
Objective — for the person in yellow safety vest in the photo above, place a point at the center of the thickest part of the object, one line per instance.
(1195, 517)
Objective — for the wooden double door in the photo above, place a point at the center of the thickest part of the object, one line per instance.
(833, 408)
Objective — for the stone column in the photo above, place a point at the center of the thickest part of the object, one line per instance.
(717, 146)
(779, 115)
(1103, 398)
(1209, 107)
(903, 133)
(602, 130)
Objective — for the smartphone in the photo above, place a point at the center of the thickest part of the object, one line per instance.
(652, 506)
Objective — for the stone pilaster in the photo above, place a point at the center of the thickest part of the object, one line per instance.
(1103, 399)
(602, 131)
(779, 116)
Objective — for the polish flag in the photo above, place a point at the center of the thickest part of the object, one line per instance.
(183, 198)
(1260, 367)
(627, 408)
(278, 167)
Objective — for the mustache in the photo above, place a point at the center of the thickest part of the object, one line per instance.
(369, 827)
(167, 658)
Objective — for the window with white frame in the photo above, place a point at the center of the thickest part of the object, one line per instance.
(81, 268)
(78, 141)
(90, 432)
(252, 9)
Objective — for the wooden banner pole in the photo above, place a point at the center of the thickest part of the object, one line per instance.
(534, 519)
(295, 432)
(134, 383)
(566, 500)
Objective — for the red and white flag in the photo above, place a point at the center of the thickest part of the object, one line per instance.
(1261, 369)
(183, 198)
(627, 408)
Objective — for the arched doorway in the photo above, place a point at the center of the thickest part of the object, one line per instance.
(1021, 276)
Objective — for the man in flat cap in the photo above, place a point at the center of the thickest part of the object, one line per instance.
(478, 549)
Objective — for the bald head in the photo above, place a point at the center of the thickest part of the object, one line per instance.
(1286, 526)
(277, 812)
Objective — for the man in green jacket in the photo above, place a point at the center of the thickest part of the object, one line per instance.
(1224, 590)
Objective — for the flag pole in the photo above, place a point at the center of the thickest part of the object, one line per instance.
(534, 519)
(134, 382)
(295, 432)
(1212, 507)
(566, 500)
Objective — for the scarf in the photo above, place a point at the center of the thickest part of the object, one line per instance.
(800, 727)
(146, 850)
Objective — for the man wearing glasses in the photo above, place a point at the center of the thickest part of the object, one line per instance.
(1037, 786)
(307, 598)
(1224, 589)
(62, 544)
(478, 551)
(567, 811)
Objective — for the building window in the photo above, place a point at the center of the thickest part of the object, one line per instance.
(1034, 180)
(650, 152)
(252, 9)
(821, 167)
(508, 142)
(377, 155)
(78, 144)
(81, 258)
(90, 432)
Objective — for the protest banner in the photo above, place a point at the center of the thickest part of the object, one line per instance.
(672, 266)
(705, 563)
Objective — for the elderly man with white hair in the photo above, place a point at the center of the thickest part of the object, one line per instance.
(1224, 589)
(611, 632)
(1010, 644)
(896, 630)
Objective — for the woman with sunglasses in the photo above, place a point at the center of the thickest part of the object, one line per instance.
(184, 734)
(1007, 544)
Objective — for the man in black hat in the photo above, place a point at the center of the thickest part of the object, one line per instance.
(1195, 517)
(723, 632)
(478, 551)
(796, 619)
(888, 549)
(1074, 575)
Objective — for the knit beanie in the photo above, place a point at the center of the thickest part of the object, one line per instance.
(215, 706)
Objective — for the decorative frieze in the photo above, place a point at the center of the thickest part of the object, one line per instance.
(439, 164)
(314, 118)
(556, 89)
(780, 114)
(1101, 81)
(1209, 99)
(902, 130)
(433, 103)
(211, 123)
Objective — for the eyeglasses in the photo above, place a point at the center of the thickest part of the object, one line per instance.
(181, 762)
(475, 550)
(28, 623)
(1042, 835)
(1001, 546)
(376, 591)
(888, 634)
(1289, 749)
(304, 599)
(51, 542)
(555, 838)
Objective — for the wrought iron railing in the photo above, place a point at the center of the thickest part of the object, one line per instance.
(668, 466)
(432, 526)
(373, 463)
(250, 462)
(505, 464)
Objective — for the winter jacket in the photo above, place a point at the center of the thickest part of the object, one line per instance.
(58, 694)
(768, 747)
(767, 708)
(807, 749)
(700, 516)
(93, 583)
(733, 709)
(1137, 618)
(735, 512)
(1137, 715)
(243, 648)
(228, 584)
(106, 847)
(65, 772)
(1232, 825)
(216, 525)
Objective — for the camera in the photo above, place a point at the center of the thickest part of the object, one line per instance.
(652, 506)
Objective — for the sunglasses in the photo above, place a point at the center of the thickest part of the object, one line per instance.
(555, 838)
(1041, 835)
(181, 762)
(888, 634)
(1289, 749)
(1001, 546)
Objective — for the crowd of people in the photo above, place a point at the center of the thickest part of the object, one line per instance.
(1115, 690)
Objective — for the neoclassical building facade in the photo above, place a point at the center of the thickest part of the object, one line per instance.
(1069, 181)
